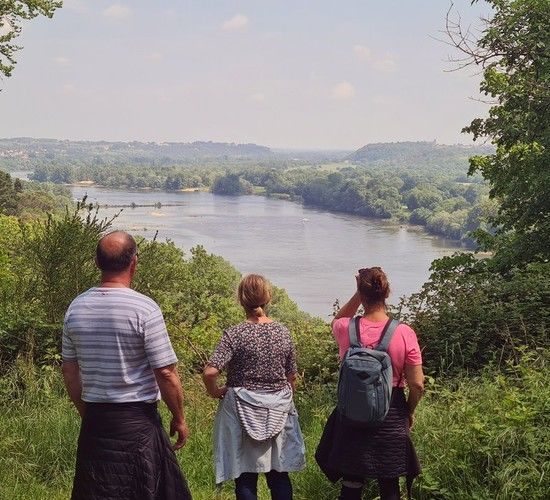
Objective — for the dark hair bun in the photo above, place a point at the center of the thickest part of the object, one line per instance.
(373, 285)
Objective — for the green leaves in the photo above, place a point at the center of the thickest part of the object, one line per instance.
(8, 199)
(468, 315)
(515, 51)
(12, 12)
(484, 435)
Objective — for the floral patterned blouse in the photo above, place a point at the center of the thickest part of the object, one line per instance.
(258, 356)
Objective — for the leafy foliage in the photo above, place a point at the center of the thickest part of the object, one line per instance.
(231, 184)
(30, 200)
(468, 315)
(514, 50)
(46, 263)
(60, 251)
(8, 202)
(477, 437)
(486, 436)
(12, 13)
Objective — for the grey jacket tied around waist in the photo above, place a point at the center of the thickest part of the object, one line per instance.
(263, 414)
(263, 435)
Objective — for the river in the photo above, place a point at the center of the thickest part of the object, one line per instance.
(311, 253)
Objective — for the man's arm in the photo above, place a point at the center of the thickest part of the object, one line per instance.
(71, 377)
(171, 391)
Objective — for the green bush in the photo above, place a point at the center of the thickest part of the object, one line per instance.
(468, 315)
(487, 436)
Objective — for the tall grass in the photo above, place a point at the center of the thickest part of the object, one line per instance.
(477, 438)
(487, 437)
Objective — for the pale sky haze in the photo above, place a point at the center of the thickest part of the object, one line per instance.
(287, 74)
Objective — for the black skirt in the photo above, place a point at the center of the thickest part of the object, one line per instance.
(385, 451)
(125, 454)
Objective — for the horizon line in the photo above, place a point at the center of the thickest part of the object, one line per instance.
(273, 148)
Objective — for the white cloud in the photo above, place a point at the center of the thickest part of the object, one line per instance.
(385, 64)
(343, 90)
(68, 89)
(154, 56)
(61, 61)
(236, 23)
(117, 12)
(362, 52)
(165, 99)
(257, 97)
(382, 100)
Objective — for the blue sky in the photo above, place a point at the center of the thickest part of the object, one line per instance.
(292, 74)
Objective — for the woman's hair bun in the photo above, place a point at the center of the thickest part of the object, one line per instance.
(373, 284)
(254, 294)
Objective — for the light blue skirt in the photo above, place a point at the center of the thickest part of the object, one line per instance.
(235, 452)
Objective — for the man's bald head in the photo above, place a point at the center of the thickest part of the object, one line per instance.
(115, 251)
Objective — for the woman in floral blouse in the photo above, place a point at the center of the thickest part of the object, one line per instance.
(256, 428)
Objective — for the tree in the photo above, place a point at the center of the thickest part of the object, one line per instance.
(60, 251)
(231, 184)
(12, 12)
(422, 197)
(18, 185)
(514, 52)
(8, 201)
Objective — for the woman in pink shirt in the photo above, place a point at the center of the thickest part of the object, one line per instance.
(385, 452)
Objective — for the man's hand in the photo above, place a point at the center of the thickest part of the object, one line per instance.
(171, 391)
(180, 428)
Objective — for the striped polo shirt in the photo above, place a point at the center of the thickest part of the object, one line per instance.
(117, 336)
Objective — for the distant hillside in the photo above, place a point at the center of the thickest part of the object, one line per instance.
(24, 152)
(412, 154)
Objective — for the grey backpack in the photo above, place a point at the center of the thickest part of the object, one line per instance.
(365, 382)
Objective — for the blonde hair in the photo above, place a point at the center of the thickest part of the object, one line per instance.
(254, 294)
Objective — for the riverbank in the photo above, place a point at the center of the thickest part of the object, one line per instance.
(466, 244)
(90, 183)
(298, 247)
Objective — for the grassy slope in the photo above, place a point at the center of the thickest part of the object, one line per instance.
(477, 438)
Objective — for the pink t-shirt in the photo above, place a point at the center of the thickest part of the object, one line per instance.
(403, 348)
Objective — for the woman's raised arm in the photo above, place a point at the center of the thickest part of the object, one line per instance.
(349, 309)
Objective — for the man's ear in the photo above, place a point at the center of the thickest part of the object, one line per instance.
(133, 264)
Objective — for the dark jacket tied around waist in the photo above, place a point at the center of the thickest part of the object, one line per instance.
(124, 454)
(385, 451)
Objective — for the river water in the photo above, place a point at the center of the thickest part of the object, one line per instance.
(311, 253)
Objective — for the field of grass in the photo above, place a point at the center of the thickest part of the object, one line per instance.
(482, 438)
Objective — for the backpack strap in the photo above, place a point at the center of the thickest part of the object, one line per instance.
(387, 334)
(353, 332)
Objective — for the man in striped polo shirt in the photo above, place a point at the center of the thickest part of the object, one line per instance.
(117, 363)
